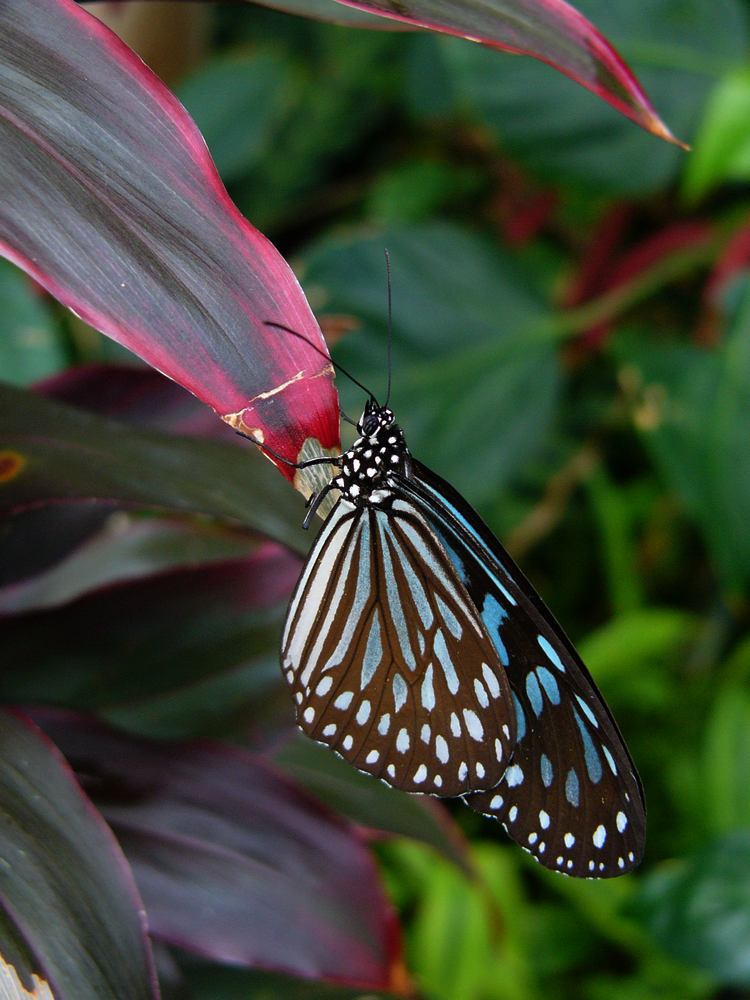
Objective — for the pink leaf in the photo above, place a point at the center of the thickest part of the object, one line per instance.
(109, 199)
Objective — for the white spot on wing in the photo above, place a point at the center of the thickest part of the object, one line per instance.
(473, 725)
(514, 776)
(481, 693)
(324, 685)
(491, 681)
(363, 713)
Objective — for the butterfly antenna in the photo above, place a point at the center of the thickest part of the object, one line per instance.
(336, 365)
(390, 323)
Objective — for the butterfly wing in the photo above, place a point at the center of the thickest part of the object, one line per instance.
(571, 795)
(388, 659)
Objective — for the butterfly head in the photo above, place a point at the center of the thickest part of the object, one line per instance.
(374, 418)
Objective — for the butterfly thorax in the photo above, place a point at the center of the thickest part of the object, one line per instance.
(373, 458)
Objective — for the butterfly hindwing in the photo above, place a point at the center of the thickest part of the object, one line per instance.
(571, 795)
(389, 661)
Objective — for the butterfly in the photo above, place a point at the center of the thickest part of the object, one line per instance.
(417, 650)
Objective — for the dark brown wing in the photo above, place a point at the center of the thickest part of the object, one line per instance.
(388, 659)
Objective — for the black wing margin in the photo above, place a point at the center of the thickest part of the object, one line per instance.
(571, 795)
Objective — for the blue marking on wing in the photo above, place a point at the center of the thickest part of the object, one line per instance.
(610, 760)
(373, 653)
(520, 718)
(455, 559)
(493, 616)
(545, 768)
(548, 682)
(550, 652)
(572, 788)
(534, 693)
(587, 711)
(593, 762)
(443, 502)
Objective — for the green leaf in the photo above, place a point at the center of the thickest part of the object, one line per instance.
(726, 761)
(722, 146)
(694, 414)
(474, 389)
(450, 944)
(64, 885)
(235, 102)
(30, 346)
(698, 912)
(649, 637)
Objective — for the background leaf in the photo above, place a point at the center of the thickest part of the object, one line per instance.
(87, 457)
(697, 910)
(209, 829)
(29, 348)
(66, 890)
(466, 333)
(677, 51)
(694, 419)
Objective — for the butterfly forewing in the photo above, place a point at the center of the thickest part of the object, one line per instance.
(390, 663)
(570, 796)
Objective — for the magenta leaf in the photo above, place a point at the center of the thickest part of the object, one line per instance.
(549, 30)
(69, 910)
(235, 863)
(108, 197)
(552, 31)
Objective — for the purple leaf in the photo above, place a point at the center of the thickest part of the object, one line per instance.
(124, 547)
(234, 862)
(37, 538)
(70, 909)
(161, 637)
(53, 453)
(552, 31)
(369, 802)
(549, 30)
(109, 199)
(135, 395)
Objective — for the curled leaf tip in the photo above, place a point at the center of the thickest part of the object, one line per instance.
(656, 127)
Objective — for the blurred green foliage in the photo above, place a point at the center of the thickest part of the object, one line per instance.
(581, 371)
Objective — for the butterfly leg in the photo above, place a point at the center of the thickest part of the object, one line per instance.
(305, 464)
(314, 501)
